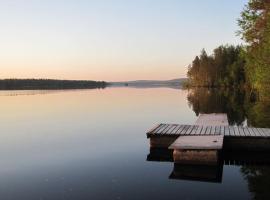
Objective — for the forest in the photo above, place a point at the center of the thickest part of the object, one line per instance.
(31, 84)
(246, 66)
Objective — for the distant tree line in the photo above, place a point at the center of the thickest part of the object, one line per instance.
(236, 66)
(31, 84)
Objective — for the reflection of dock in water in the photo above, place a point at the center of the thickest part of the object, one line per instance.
(199, 151)
(160, 154)
(227, 157)
(208, 173)
(197, 173)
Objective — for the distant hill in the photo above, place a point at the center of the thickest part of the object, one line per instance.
(48, 84)
(173, 83)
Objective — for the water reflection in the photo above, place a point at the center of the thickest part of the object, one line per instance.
(254, 167)
(240, 107)
(197, 173)
(90, 144)
(258, 178)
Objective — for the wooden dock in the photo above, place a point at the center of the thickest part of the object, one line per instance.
(199, 151)
(202, 142)
(213, 119)
(202, 130)
(198, 142)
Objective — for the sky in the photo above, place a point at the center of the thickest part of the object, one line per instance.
(111, 40)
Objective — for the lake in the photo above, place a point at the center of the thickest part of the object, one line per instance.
(91, 144)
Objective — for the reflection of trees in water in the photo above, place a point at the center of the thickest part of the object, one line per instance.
(258, 178)
(239, 107)
(258, 114)
(204, 100)
(236, 103)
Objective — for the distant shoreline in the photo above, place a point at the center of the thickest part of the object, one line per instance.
(173, 83)
(49, 84)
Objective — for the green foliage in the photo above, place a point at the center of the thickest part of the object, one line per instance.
(225, 68)
(238, 66)
(255, 30)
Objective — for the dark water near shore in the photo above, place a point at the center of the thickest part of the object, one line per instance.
(91, 144)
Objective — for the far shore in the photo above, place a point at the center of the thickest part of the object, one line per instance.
(49, 84)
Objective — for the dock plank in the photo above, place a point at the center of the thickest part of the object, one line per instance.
(245, 129)
(160, 128)
(154, 128)
(241, 131)
(198, 142)
(180, 130)
(231, 129)
(175, 130)
(184, 131)
(193, 132)
(208, 130)
(170, 130)
(255, 132)
(259, 132)
(226, 131)
(213, 129)
(203, 130)
(190, 129)
(222, 130)
(217, 130)
(214, 119)
(266, 131)
(236, 131)
(160, 131)
(198, 130)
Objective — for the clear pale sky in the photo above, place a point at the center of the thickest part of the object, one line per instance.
(111, 40)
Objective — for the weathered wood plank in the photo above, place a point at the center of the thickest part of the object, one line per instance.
(236, 131)
(190, 130)
(222, 130)
(259, 131)
(198, 132)
(245, 129)
(213, 129)
(255, 132)
(175, 129)
(183, 132)
(160, 126)
(163, 128)
(153, 128)
(266, 132)
(180, 130)
(193, 132)
(241, 131)
(214, 119)
(217, 130)
(231, 129)
(198, 142)
(169, 131)
(226, 131)
(203, 130)
(165, 131)
(252, 134)
(208, 130)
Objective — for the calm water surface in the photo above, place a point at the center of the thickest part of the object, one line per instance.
(91, 144)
